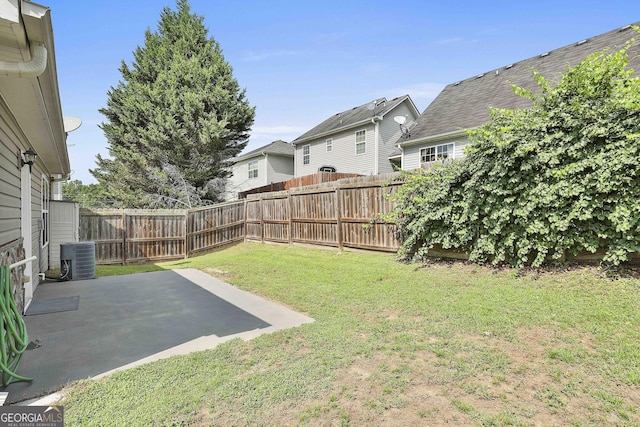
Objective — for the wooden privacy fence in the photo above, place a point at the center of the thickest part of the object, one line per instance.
(343, 213)
(340, 213)
(314, 179)
(134, 235)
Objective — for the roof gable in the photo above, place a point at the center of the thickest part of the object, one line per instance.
(465, 104)
(279, 147)
(354, 117)
(31, 92)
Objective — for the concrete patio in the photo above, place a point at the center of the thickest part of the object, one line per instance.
(124, 321)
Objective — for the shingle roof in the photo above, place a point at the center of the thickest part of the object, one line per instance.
(465, 104)
(278, 147)
(352, 117)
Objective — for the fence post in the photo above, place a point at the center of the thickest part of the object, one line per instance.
(186, 234)
(338, 218)
(261, 220)
(124, 238)
(244, 212)
(290, 200)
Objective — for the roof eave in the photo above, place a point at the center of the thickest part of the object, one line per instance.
(412, 106)
(259, 154)
(433, 138)
(334, 131)
(52, 149)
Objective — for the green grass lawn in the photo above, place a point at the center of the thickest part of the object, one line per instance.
(394, 344)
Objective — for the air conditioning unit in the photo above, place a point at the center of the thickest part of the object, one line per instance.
(78, 260)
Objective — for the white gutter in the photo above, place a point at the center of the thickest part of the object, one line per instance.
(376, 148)
(434, 138)
(334, 131)
(266, 167)
(30, 69)
(62, 177)
(401, 155)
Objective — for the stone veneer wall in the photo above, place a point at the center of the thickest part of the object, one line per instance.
(10, 253)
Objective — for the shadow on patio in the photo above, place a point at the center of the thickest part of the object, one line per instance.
(122, 321)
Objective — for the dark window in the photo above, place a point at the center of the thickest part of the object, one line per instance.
(327, 169)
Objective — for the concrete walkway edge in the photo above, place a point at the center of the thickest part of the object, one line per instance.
(278, 316)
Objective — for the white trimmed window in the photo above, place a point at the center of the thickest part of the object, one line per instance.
(437, 152)
(253, 169)
(46, 193)
(329, 145)
(361, 137)
(306, 154)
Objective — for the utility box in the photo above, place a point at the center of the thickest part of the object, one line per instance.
(78, 260)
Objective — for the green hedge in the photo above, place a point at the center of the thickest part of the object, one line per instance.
(562, 176)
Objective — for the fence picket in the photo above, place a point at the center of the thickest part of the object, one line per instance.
(343, 213)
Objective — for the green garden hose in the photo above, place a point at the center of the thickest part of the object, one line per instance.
(13, 332)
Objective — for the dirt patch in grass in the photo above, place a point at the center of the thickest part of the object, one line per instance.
(203, 417)
(523, 383)
(403, 345)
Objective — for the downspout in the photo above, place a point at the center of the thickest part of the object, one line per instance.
(266, 169)
(295, 160)
(29, 69)
(376, 121)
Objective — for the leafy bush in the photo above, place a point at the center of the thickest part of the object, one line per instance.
(563, 175)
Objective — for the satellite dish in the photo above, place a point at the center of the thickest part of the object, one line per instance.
(371, 106)
(405, 128)
(400, 119)
(71, 123)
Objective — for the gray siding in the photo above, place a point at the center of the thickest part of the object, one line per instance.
(343, 155)
(9, 184)
(390, 135)
(64, 228)
(36, 223)
(271, 168)
(279, 168)
(411, 154)
(240, 180)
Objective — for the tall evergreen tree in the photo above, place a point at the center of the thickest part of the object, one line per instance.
(174, 120)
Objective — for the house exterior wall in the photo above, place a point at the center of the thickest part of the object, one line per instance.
(390, 135)
(279, 168)
(343, 156)
(411, 154)
(65, 218)
(9, 184)
(271, 168)
(12, 142)
(240, 181)
(42, 252)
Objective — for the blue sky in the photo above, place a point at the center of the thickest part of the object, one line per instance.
(302, 61)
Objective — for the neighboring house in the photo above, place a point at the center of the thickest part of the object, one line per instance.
(440, 130)
(30, 122)
(262, 166)
(359, 140)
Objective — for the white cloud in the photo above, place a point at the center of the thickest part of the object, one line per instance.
(273, 130)
(263, 135)
(266, 134)
(452, 40)
(252, 56)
